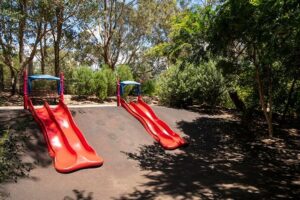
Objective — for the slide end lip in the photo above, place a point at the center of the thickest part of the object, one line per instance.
(80, 166)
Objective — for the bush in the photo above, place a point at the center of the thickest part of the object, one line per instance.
(124, 73)
(148, 87)
(83, 81)
(210, 84)
(100, 84)
(111, 81)
(175, 86)
(69, 85)
(180, 86)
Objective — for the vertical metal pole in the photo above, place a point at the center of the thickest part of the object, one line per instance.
(118, 92)
(61, 95)
(139, 92)
(25, 89)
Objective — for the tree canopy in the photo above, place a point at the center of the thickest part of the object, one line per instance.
(242, 54)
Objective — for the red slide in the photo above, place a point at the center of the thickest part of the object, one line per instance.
(158, 129)
(66, 144)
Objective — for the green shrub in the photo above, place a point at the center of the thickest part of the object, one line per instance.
(111, 81)
(210, 84)
(83, 81)
(69, 85)
(124, 73)
(148, 87)
(180, 86)
(100, 84)
(175, 86)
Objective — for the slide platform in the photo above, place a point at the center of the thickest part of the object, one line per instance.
(66, 144)
(158, 129)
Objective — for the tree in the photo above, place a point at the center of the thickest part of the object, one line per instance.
(258, 32)
(120, 31)
(62, 18)
(187, 37)
(19, 19)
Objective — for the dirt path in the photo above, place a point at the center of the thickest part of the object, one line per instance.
(219, 163)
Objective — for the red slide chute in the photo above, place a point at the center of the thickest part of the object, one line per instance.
(157, 128)
(66, 144)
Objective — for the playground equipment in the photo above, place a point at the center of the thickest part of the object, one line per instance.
(158, 129)
(65, 142)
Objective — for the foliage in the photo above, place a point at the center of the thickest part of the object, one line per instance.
(210, 84)
(83, 78)
(20, 26)
(127, 28)
(187, 37)
(69, 85)
(175, 87)
(255, 43)
(149, 87)
(100, 84)
(111, 80)
(124, 73)
(194, 83)
(262, 34)
(238, 78)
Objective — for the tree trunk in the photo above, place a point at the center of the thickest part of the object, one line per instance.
(42, 58)
(240, 106)
(59, 16)
(56, 59)
(13, 77)
(30, 68)
(268, 115)
(22, 27)
(1, 77)
(286, 108)
(22, 24)
(237, 101)
(43, 50)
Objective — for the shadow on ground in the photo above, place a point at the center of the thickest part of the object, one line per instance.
(222, 161)
(29, 136)
(28, 141)
(80, 195)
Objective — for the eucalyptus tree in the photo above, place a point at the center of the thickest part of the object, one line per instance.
(119, 31)
(61, 21)
(20, 32)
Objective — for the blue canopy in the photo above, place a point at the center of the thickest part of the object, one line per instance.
(130, 83)
(42, 77)
(123, 84)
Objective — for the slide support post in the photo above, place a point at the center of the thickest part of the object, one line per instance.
(118, 93)
(25, 89)
(139, 92)
(61, 92)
